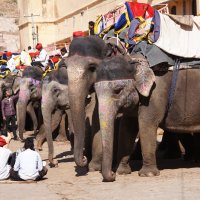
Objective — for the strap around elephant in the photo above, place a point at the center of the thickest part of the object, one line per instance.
(172, 86)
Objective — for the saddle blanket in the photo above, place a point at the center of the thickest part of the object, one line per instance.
(178, 39)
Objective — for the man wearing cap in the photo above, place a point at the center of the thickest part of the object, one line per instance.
(43, 57)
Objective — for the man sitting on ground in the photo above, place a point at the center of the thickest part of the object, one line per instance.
(5, 154)
(28, 165)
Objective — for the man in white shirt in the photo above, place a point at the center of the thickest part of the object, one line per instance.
(11, 64)
(5, 155)
(25, 58)
(42, 59)
(28, 165)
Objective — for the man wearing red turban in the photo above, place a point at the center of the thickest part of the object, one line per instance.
(42, 59)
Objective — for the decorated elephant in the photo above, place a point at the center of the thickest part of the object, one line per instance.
(137, 85)
(29, 92)
(13, 82)
(85, 54)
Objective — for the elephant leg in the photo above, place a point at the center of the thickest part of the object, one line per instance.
(148, 138)
(173, 149)
(32, 114)
(127, 134)
(70, 129)
(95, 163)
(56, 118)
(40, 138)
(62, 130)
(186, 140)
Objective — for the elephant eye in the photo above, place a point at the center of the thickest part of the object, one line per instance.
(117, 90)
(92, 67)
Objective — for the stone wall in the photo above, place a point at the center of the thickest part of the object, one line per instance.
(9, 31)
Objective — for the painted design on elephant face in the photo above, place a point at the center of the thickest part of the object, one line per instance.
(44, 98)
(35, 82)
(104, 124)
(24, 95)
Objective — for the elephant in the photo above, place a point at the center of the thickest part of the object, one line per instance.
(113, 76)
(29, 92)
(13, 81)
(85, 54)
(134, 83)
(54, 101)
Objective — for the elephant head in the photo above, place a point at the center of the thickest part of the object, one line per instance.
(85, 54)
(54, 94)
(119, 85)
(11, 82)
(30, 89)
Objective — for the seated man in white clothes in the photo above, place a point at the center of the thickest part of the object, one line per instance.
(28, 164)
(42, 59)
(5, 155)
(11, 64)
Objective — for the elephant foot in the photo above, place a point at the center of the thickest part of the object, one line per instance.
(61, 139)
(39, 145)
(94, 166)
(53, 163)
(149, 171)
(124, 169)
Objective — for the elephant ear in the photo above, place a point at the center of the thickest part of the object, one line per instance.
(144, 77)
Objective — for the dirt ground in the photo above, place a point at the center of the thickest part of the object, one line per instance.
(178, 181)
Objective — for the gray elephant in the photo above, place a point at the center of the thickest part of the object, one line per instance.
(13, 81)
(114, 77)
(29, 92)
(139, 86)
(54, 102)
(85, 54)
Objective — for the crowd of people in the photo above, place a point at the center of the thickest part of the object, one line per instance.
(15, 62)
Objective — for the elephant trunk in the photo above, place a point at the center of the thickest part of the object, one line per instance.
(107, 114)
(47, 118)
(24, 97)
(77, 97)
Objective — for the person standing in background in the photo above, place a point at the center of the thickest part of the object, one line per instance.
(8, 111)
(91, 28)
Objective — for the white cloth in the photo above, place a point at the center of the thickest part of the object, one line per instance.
(11, 64)
(43, 58)
(177, 40)
(28, 164)
(25, 58)
(4, 167)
